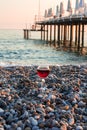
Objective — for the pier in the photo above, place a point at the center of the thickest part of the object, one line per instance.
(63, 30)
(65, 27)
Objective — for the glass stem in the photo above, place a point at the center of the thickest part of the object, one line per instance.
(43, 83)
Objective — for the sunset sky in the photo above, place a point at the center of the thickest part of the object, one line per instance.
(18, 13)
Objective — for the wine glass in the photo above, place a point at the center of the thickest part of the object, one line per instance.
(43, 71)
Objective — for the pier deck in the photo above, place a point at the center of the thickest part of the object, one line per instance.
(64, 21)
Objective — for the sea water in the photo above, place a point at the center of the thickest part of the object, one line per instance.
(15, 50)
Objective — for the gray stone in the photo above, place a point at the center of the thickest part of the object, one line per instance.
(10, 118)
(1, 111)
(25, 115)
(28, 128)
(7, 126)
(35, 128)
(71, 121)
(81, 104)
(33, 121)
(79, 128)
(3, 104)
(55, 128)
(19, 128)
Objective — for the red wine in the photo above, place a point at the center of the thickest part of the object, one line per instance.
(43, 72)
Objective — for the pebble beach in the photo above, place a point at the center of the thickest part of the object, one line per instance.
(60, 105)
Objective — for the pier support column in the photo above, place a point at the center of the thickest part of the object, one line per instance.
(82, 35)
(68, 32)
(24, 34)
(65, 34)
(82, 44)
(27, 34)
(62, 34)
(47, 33)
(59, 35)
(76, 34)
(79, 28)
(50, 34)
(71, 35)
(54, 35)
(44, 32)
(41, 31)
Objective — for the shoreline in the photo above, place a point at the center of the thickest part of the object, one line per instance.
(60, 105)
(27, 65)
